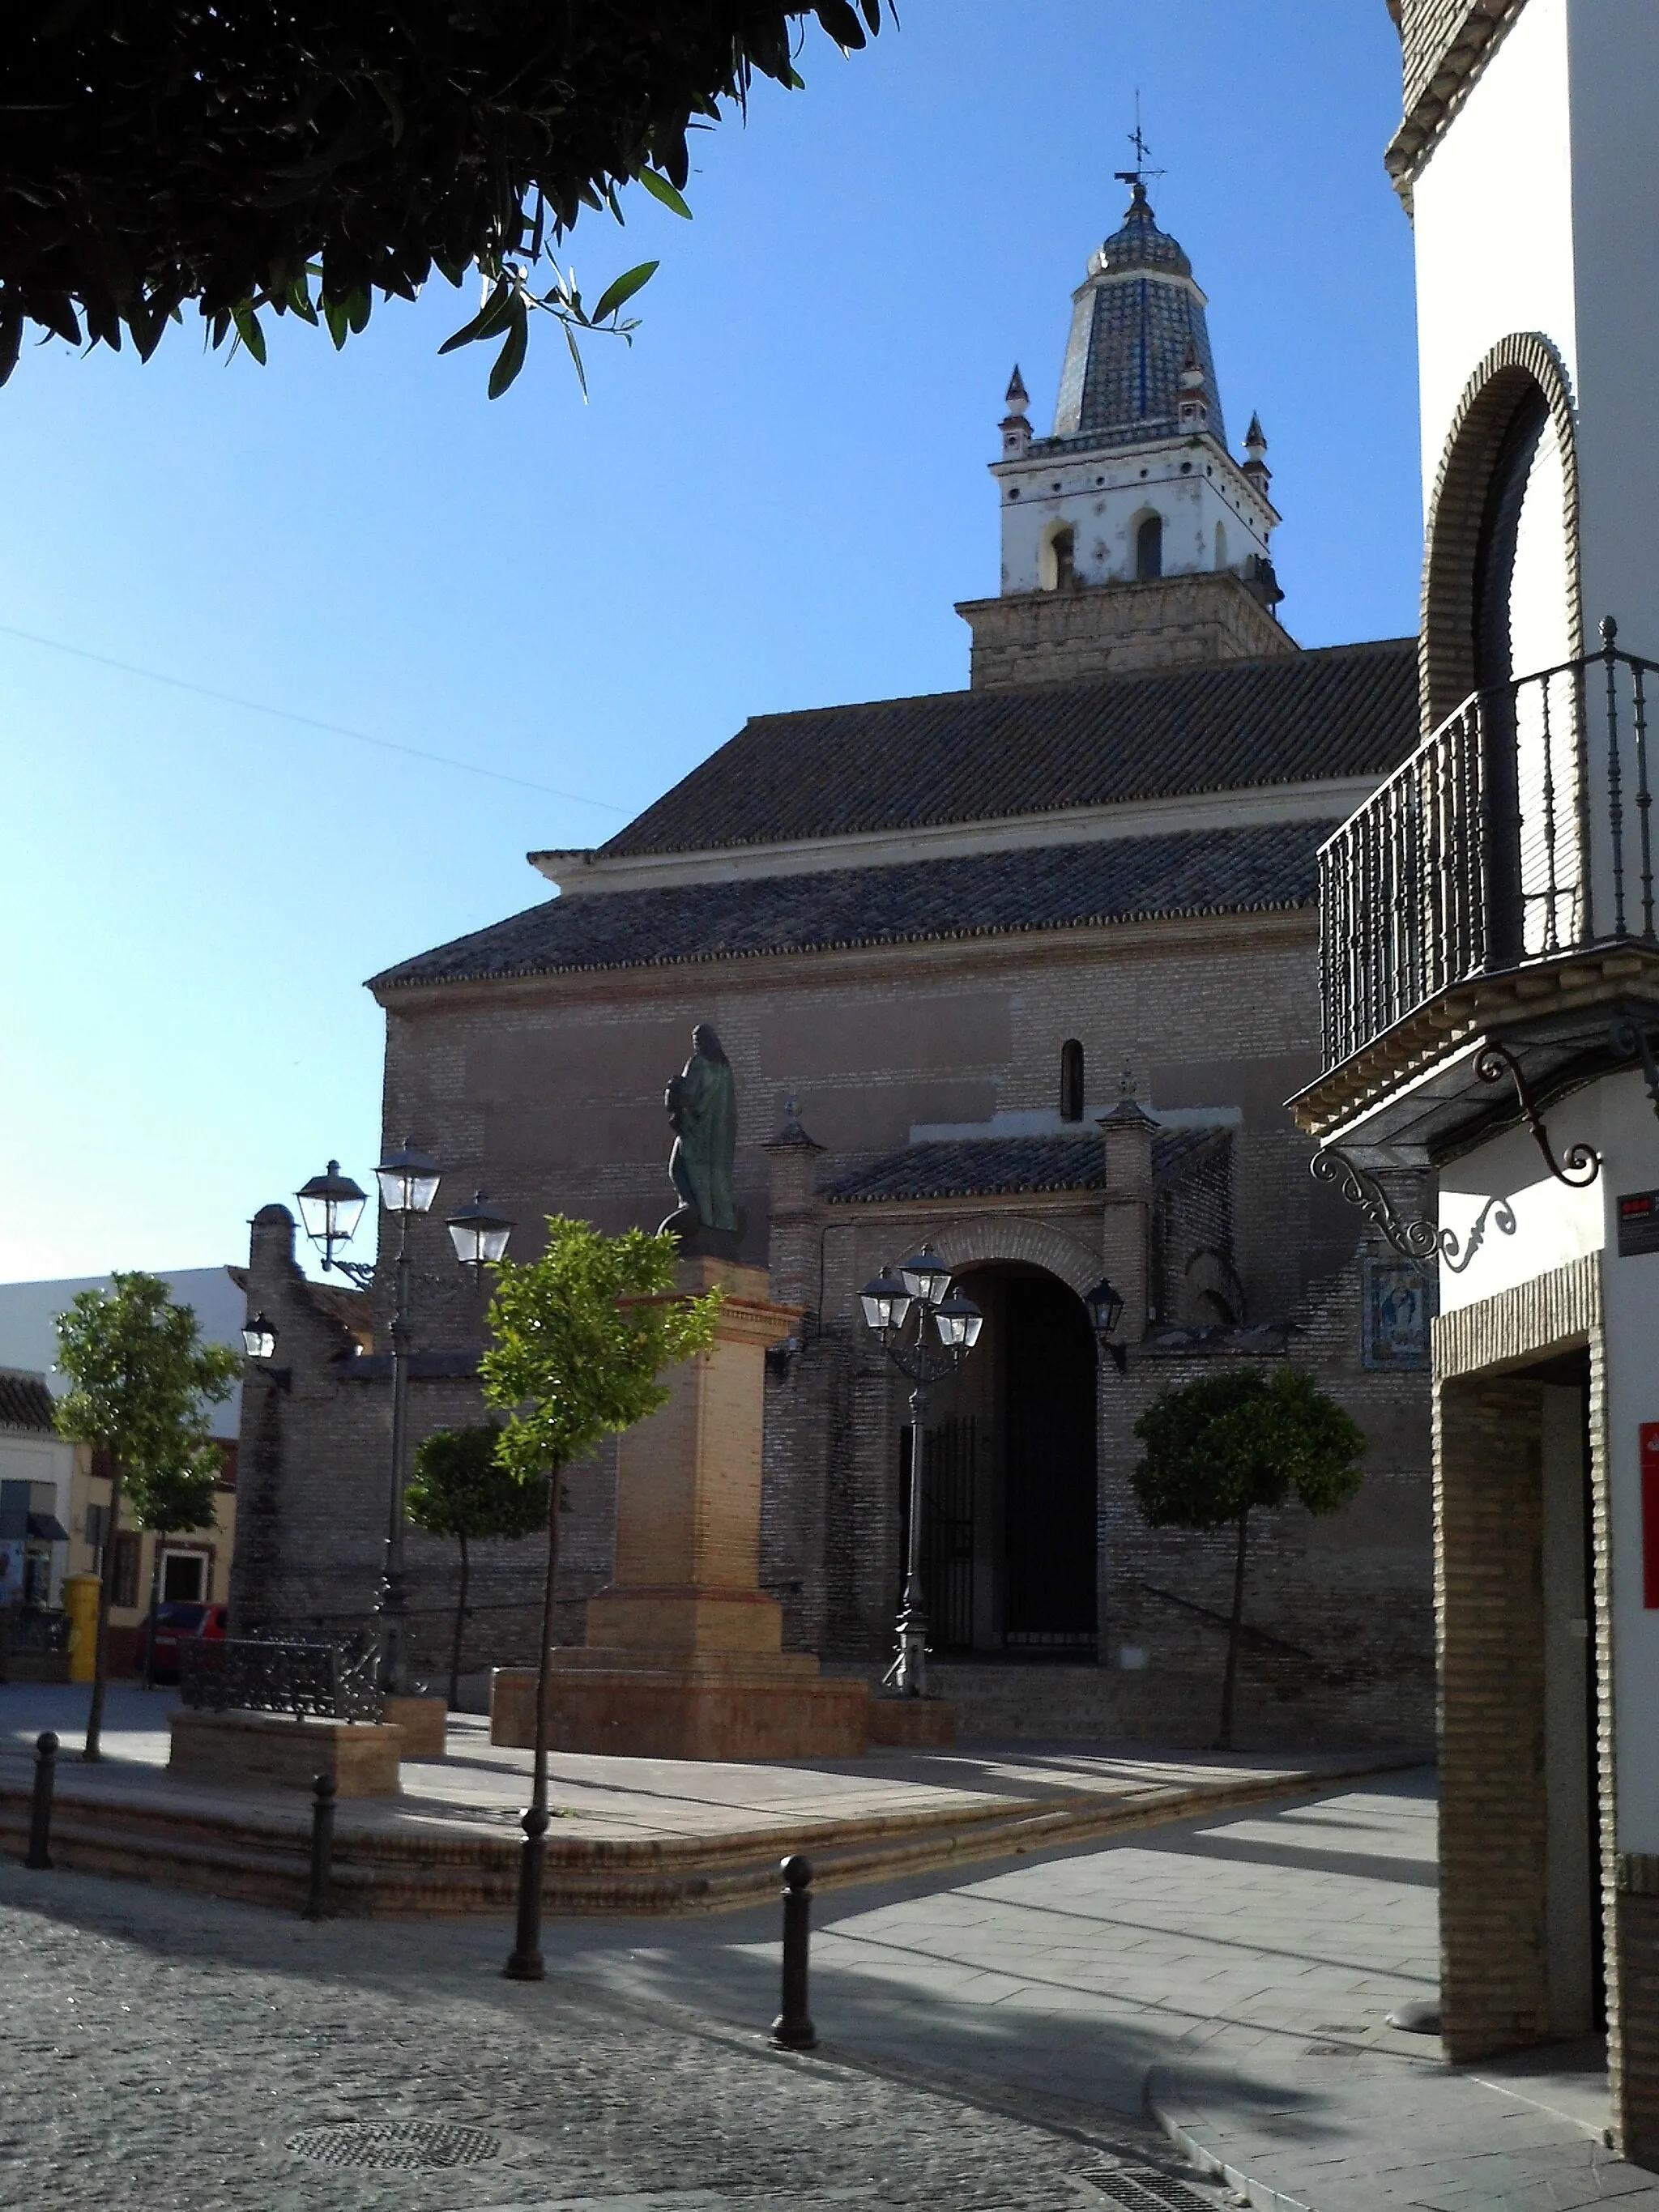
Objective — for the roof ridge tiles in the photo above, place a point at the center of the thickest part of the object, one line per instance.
(1265, 868)
(957, 757)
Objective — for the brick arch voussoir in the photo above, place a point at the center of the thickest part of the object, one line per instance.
(977, 1243)
(1517, 365)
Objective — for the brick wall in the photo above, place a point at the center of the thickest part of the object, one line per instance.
(1636, 2060)
(547, 1094)
(1489, 1579)
(1114, 630)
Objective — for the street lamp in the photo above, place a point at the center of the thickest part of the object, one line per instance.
(260, 1343)
(409, 1183)
(331, 1206)
(917, 1291)
(259, 1337)
(1105, 1310)
(479, 1235)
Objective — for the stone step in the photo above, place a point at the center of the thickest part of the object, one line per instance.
(262, 1856)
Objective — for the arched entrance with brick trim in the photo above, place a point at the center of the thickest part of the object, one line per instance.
(1010, 1481)
(1522, 377)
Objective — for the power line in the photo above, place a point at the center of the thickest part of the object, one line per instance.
(305, 721)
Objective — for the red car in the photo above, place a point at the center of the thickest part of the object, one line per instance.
(178, 1621)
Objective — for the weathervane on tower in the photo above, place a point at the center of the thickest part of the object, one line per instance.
(1138, 175)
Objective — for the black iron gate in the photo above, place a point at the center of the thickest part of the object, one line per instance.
(1049, 1540)
(947, 1529)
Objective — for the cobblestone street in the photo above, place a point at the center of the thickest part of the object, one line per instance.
(164, 2053)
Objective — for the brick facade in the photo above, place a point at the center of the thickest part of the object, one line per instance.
(1078, 635)
(546, 1093)
(1494, 1805)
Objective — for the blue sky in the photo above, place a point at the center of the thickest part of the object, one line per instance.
(772, 501)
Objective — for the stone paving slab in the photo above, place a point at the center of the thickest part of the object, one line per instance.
(481, 1789)
(1240, 1967)
(184, 2055)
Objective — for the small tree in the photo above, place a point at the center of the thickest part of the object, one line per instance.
(172, 1500)
(582, 1336)
(1226, 1445)
(141, 1379)
(462, 1490)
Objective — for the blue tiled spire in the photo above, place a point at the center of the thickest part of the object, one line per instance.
(1136, 315)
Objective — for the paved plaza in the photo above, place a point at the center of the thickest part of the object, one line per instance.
(1046, 2032)
(480, 1787)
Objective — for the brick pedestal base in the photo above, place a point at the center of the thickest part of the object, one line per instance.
(267, 1749)
(422, 1720)
(912, 1723)
(673, 1704)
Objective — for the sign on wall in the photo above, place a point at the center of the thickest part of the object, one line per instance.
(1638, 1223)
(1397, 1307)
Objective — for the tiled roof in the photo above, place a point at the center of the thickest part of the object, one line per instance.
(989, 1167)
(991, 756)
(1052, 887)
(1120, 383)
(25, 1401)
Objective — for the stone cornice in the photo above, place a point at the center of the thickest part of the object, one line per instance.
(580, 874)
(1456, 71)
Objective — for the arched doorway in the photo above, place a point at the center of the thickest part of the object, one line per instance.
(1008, 1544)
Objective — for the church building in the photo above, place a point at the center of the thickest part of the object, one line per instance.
(1024, 972)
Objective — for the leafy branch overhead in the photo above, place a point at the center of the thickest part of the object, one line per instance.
(301, 158)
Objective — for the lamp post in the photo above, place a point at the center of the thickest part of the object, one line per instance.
(918, 1292)
(259, 1337)
(1105, 1310)
(330, 1207)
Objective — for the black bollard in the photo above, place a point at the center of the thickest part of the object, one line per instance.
(792, 2029)
(525, 1962)
(45, 1768)
(320, 1905)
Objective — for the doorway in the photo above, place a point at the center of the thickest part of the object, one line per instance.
(1010, 1547)
(1521, 1905)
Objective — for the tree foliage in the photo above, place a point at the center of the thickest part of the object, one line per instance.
(461, 1489)
(304, 155)
(582, 1336)
(1230, 1443)
(141, 1382)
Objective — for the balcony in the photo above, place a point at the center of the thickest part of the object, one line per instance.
(1498, 891)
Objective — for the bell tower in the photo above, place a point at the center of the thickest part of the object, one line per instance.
(1131, 536)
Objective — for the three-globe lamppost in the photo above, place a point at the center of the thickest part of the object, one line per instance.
(899, 1305)
(330, 1207)
(926, 1328)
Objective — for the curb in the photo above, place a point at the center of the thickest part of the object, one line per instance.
(250, 1855)
(1162, 2096)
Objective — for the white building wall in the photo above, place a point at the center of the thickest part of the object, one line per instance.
(29, 1340)
(1553, 1225)
(1614, 60)
(1493, 222)
(31, 1459)
(1102, 498)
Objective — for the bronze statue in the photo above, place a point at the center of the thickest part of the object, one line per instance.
(703, 1111)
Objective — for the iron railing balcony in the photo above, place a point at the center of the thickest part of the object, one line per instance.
(1507, 863)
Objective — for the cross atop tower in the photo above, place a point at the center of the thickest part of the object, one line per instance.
(1138, 175)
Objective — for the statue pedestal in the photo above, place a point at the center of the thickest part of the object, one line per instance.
(685, 1654)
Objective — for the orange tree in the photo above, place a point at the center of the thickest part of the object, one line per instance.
(583, 1335)
(140, 1381)
(462, 1490)
(1229, 1446)
(301, 156)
